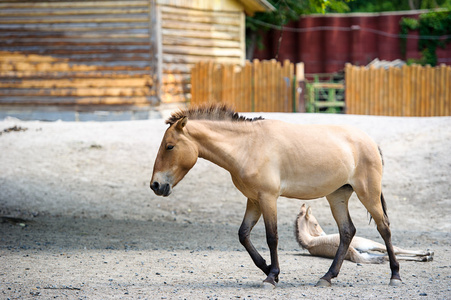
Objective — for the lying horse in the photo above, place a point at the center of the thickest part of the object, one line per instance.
(268, 159)
(311, 236)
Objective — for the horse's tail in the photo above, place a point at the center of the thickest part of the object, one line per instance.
(382, 157)
(384, 205)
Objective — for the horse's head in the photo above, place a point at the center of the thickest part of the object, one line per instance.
(176, 156)
(307, 223)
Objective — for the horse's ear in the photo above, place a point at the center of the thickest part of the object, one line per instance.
(309, 211)
(181, 123)
(303, 209)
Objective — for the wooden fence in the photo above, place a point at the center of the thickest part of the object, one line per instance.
(263, 86)
(406, 91)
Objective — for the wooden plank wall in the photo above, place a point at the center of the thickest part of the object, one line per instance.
(407, 91)
(262, 86)
(76, 52)
(189, 35)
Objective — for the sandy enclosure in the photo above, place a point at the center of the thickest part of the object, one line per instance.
(90, 227)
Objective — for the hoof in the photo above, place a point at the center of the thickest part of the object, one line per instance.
(430, 253)
(427, 258)
(323, 283)
(395, 282)
(268, 285)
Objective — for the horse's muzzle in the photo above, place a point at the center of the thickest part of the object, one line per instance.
(161, 189)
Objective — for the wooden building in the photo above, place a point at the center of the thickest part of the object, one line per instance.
(197, 30)
(111, 52)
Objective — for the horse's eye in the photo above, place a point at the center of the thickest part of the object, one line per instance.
(169, 147)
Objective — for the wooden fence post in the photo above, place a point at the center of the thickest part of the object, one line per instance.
(299, 105)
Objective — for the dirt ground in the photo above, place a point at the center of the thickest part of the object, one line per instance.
(89, 227)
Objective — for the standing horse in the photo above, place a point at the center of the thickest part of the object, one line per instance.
(268, 159)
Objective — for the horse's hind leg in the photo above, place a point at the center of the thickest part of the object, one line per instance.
(371, 197)
(368, 245)
(413, 252)
(424, 258)
(338, 201)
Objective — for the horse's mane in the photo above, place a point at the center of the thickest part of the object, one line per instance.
(214, 112)
(297, 233)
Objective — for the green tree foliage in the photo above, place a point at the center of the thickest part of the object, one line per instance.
(378, 5)
(394, 5)
(429, 25)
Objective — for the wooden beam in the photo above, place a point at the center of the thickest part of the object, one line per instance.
(73, 4)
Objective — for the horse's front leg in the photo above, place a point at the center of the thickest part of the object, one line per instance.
(269, 210)
(251, 217)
